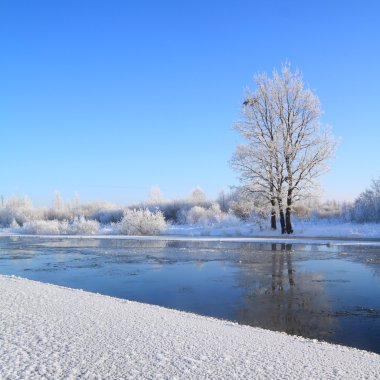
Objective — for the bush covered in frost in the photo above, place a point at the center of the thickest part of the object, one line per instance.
(141, 222)
(206, 216)
(79, 226)
(103, 212)
(44, 227)
(19, 210)
(175, 210)
(244, 205)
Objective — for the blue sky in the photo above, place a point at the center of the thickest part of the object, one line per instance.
(107, 98)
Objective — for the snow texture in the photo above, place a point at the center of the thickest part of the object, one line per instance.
(51, 332)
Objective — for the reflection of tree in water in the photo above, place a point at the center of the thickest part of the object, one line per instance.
(279, 298)
(278, 267)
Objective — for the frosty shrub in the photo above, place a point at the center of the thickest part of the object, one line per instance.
(302, 210)
(197, 197)
(259, 219)
(81, 226)
(210, 216)
(141, 222)
(61, 215)
(19, 210)
(328, 210)
(314, 209)
(199, 214)
(195, 214)
(103, 212)
(223, 200)
(43, 227)
(244, 206)
(14, 224)
(172, 210)
(105, 216)
(59, 211)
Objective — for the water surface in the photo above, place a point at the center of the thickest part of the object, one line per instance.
(325, 292)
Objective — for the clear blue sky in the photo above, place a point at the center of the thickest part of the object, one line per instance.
(108, 98)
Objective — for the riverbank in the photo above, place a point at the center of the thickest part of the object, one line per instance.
(54, 332)
(303, 229)
(188, 237)
(327, 229)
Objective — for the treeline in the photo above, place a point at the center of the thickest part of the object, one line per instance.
(152, 216)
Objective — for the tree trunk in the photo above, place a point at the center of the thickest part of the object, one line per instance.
(273, 214)
(288, 222)
(282, 217)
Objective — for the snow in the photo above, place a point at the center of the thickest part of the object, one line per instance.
(187, 238)
(48, 331)
(190, 237)
(150, 223)
(304, 229)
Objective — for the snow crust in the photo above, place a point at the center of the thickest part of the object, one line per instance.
(49, 332)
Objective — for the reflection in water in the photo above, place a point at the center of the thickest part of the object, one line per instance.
(280, 299)
(278, 267)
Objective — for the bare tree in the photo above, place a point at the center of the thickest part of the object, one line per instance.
(287, 147)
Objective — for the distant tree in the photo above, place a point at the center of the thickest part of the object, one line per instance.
(155, 195)
(76, 200)
(222, 201)
(197, 196)
(366, 207)
(58, 202)
(287, 148)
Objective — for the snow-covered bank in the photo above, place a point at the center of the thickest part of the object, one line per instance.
(320, 229)
(275, 239)
(282, 239)
(53, 332)
(325, 229)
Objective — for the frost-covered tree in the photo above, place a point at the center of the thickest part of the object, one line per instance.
(197, 196)
(18, 211)
(58, 201)
(259, 161)
(155, 195)
(222, 200)
(76, 200)
(366, 207)
(305, 144)
(286, 146)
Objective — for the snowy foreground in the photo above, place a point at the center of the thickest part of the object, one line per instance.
(48, 331)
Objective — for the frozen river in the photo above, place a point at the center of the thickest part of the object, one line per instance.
(330, 293)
